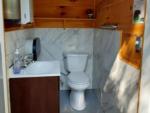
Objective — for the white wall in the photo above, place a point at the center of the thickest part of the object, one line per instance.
(145, 80)
(106, 47)
(3, 84)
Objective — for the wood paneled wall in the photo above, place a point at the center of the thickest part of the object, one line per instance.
(120, 12)
(128, 51)
(63, 23)
(63, 13)
(62, 8)
(59, 14)
(114, 12)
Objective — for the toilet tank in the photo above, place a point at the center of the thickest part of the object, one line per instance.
(76, 62)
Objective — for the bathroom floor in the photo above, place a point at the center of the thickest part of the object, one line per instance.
(93, 105)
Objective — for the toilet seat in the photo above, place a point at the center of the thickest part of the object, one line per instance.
(78, 78)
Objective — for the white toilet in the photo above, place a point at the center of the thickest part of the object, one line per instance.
(77, 80)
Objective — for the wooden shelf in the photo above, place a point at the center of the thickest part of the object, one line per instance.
(64, 22)
(75, 19)
(12, 27)
(54, 23)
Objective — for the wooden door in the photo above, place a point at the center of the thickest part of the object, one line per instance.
(34, 95)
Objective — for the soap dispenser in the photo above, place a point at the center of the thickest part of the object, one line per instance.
(17, 62)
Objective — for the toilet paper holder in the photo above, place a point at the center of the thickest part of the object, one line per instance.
(33, 48)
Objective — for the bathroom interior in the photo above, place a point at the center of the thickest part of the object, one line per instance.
(75, 56)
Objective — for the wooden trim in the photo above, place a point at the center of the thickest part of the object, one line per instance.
(129, 62)
(18, 27)
(54, 23)
(64, 23)
(74, 19)
(133, 29)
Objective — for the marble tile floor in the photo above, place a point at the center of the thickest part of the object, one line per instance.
(93, 105)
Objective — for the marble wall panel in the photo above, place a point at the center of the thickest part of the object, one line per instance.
(56, 42)
(16, 39)
(145, 76)
(115, 80)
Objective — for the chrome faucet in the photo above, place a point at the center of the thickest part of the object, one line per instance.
(27, 59)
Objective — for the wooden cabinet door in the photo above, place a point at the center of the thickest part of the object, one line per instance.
(34, 95)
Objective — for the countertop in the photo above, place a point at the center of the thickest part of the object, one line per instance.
(54, 67)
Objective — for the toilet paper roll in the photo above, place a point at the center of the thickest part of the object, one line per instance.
(29, 47)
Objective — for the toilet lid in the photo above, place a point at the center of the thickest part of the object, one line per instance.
(78, 78)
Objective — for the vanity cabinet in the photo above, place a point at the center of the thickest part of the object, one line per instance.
(34, 95)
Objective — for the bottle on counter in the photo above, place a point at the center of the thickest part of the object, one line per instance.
(17, 62)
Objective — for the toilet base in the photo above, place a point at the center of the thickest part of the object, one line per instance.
(77, 100)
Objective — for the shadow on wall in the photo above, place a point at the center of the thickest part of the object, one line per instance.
(115, 80)
(120, 92)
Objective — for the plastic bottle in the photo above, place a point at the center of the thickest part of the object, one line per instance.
(16, 62)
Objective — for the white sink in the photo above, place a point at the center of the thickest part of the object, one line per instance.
(39, 68)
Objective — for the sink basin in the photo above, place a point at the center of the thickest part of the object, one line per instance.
(40, 68)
